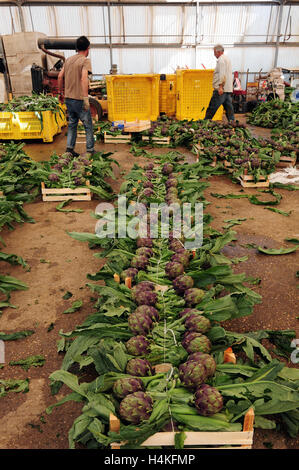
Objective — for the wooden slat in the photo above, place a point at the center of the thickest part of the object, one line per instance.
(63, 194)
(201, 438)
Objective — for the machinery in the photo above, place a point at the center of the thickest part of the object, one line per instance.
(46, 81)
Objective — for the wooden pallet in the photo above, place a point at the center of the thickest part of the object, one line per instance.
(157, 140)
(117, 139)
(247, 181)
(285, 162)
(194, 439)
(63, 194)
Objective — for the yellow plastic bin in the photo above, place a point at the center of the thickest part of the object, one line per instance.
(194, 91)
(132, 97)
(7, 127)
(167, 95)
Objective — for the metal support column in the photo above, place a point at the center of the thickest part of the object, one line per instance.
(21, 15)
(278, 32)
(110, 43)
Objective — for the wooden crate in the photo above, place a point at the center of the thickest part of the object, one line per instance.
(117, 139)
(157, 140)
(137, 126)
(285, 162)
(63, 194)
(228, 166)
(196, 439)
(247, 181)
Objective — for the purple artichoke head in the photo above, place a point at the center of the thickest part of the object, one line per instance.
(149, 166)
(176, 245)
(188, 311)
(208, 400)
(149, 310)
(182, 283)
(144, 242)
(139, 262)
(141, 287)
(53, 177)
(182, 257)
(171, 183)
(139, 323)
(198, 323)
(193, 296)
(138, 345)
(139, 367)
(148, 184)
(136, 407)
(192, 374)
(123, 387)
(167, 168)
(194, 342)
(174, 269)
(144, 251)
(206, 360)
(148, 192)
(146, 297)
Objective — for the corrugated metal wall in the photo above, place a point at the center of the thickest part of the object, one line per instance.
(184, 35)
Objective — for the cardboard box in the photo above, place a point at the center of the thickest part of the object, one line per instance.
(21, 43)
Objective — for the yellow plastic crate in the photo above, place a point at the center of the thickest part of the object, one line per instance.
(132, 97)
(7, 129)
(167, 95)
(31, 125)
(194, 91)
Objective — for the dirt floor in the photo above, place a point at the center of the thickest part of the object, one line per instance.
(59, 264)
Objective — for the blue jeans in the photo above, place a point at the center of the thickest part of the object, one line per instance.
(216, 101)
(76, 112)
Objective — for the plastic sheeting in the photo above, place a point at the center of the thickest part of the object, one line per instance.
(193, 30)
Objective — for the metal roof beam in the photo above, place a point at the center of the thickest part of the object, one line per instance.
(142, 3)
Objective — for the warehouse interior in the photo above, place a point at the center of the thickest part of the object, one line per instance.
(205, 354)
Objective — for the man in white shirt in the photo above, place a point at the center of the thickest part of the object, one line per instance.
(222, 85)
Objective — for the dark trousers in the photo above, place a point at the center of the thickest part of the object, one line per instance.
(216, 101)
(76, 112)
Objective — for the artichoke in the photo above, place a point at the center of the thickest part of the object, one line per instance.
(149, 310)
(146, 297)
(136, 407)
(198, 323)
(193, 296)
(167, 168)
(139, 262)
(187, 311)
(141, 287)
(173, 269)
(176, 245)
(171, 183)
(208, 400)
(182, 257)
(144, 251)
(148, 184)
(139, 367)
(192, 374)
(182, 283)
(138, 345)
(130, 272)
(148, 192)
(149, 166)
(206, 360)
(139, 323)
(125, 386)
(194, 342)
(144, 242)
